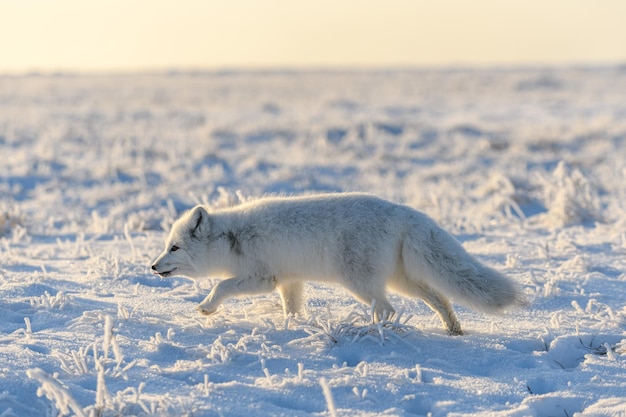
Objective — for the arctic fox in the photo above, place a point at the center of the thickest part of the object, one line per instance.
(360, 241)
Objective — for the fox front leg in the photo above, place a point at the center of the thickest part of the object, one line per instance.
(233, 287)
(291, 295)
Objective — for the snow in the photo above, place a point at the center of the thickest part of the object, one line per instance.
(524, 166)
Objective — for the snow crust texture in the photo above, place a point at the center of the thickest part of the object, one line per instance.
(526, 167)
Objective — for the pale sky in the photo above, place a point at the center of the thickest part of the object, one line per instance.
(131, 35)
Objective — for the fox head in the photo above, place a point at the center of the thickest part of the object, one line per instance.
(185, 248)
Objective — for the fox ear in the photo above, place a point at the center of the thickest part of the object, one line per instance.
(200, 222)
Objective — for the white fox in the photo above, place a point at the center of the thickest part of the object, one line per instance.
(360, 241)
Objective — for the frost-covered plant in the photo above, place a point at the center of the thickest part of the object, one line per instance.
(226, 198)
(95, 357)
(60, 300)
(99, 224)
(599, 315)
(328, 396)
(221, 353)
(571, 197)
(57, 392)
(10, 219)
(357, 326)
(506, 195)
(129, 401)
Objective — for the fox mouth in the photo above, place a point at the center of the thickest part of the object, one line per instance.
(166, 274)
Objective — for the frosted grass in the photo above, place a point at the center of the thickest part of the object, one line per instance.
(525, 167)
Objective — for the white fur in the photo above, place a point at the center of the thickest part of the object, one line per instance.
(362, 242)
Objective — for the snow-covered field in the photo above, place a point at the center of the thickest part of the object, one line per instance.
(525, 167)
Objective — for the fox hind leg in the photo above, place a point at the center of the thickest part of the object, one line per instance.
(433, 299)
(441, 305)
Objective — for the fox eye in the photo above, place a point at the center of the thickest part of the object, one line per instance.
(174, 248)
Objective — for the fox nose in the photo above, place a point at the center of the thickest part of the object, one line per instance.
(154, 267)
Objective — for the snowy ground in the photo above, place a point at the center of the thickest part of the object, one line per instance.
(525, 167)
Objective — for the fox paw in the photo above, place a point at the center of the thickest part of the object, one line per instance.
(206, 310)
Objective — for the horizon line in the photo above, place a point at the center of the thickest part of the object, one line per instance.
(313, 68)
